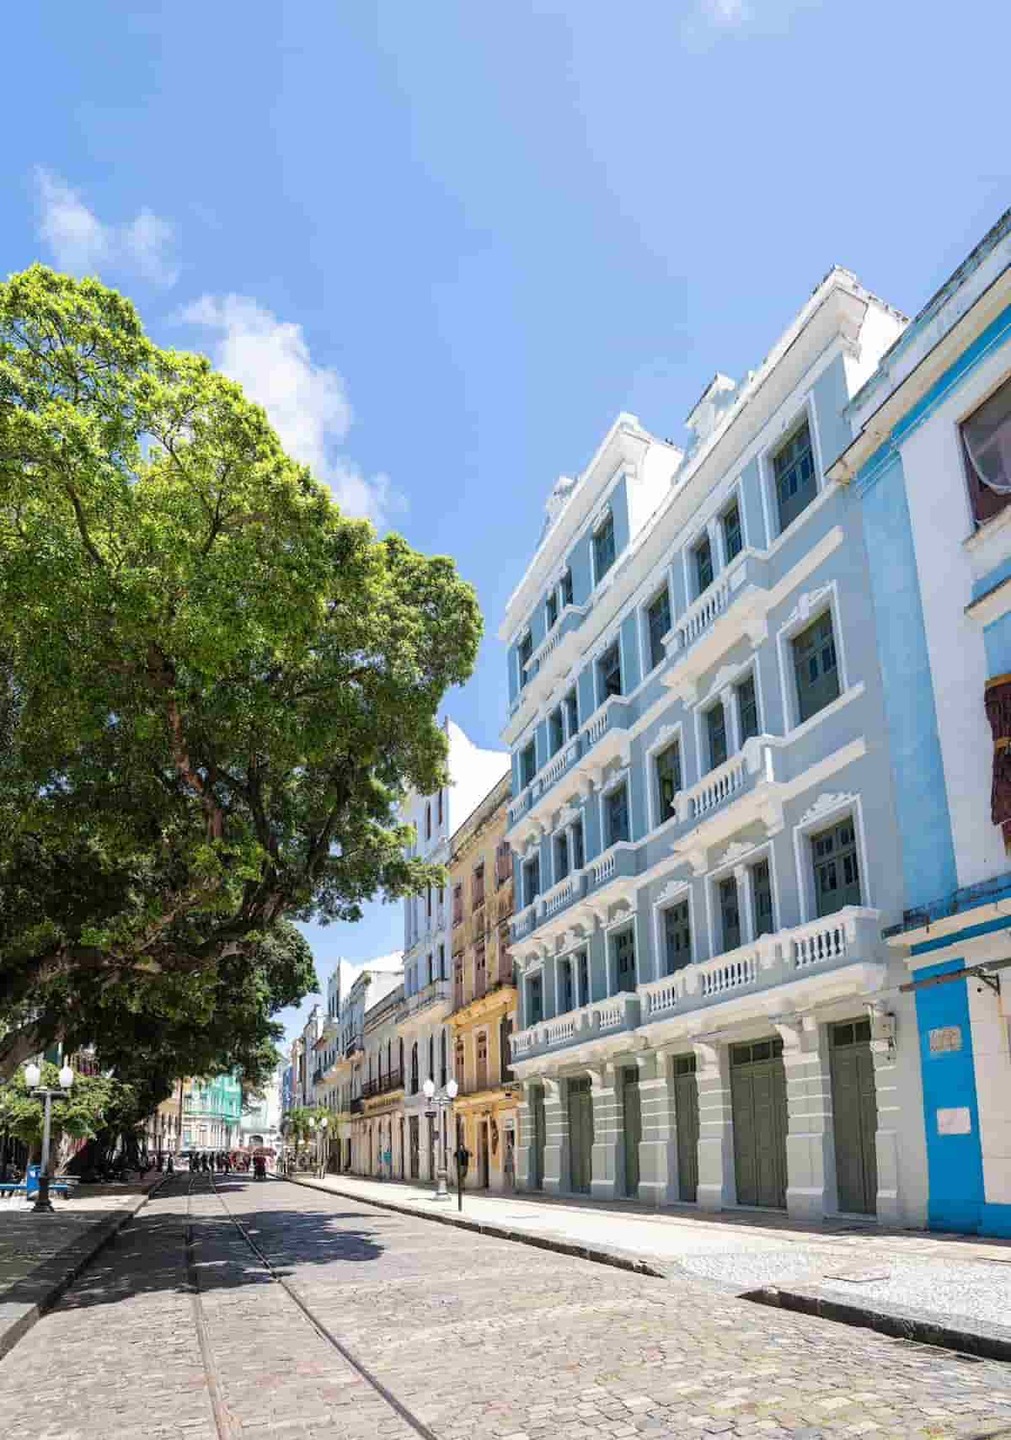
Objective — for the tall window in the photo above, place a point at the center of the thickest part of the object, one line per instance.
(438, 802)
(505, 1030)
(609, 673)
(730, 913)
(571, 704)
(677, 936)
(556, 730)
(716, 731)
(566, 587)
(503, 863)
(480, 969)
(531, 879)
(561, 856)
(583, 977)
(442, 1057)
(477, 886)
(836, 870)
(793, 468)
(414, 1068)
(703, 558)
(568, 1002)
(668, 779)
(616, 815)
(657, 625)
(986, 442)
(524, 652)
(815, 667)
(428, 822)
(482, 1060)
(603, 549)
(551, 609)
(442, 962)
(528, 763)
(458, 904)
(457, 982)
(578, 851)
(458, 1060)
(747, 708)
(535, 999)
(730, 524)
(624, 959)
(761, 898)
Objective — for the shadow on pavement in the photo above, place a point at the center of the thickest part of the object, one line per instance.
(151, 1254)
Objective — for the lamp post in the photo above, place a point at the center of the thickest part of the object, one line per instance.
(443, 1100)
(321, 1146)
(46, 1093)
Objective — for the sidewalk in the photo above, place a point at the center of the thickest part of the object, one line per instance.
(41, 1254)
(943, 1289)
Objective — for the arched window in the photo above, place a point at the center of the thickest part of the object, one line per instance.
(414, 1068)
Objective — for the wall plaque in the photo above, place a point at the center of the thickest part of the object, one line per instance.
(945, 1039)
(954, 1122)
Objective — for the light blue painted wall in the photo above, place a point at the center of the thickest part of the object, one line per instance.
(751, 507)
(928, 855)
(997, 643)
(954, 1162)
(830, 396)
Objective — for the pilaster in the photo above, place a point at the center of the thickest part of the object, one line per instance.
(556, 1137)
(524, 1137)
(810, 1139)
(717, 1182)
(658, 1180)
(606, 1158)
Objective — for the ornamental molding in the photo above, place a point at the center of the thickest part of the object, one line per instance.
(672, 890)
(806, 602)
(826, 801)
(734, 852)
(664, 735)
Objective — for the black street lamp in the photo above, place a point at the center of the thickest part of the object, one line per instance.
(46, 1093)
(443, 1100)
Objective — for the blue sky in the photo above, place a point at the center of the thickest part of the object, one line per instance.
(446, 243)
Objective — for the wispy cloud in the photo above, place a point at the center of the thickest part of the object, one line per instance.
(706, 22)
(307, 403)
(78, 241)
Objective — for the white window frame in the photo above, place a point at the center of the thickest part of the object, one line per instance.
(605, 513)
(621, 776)
(735, 494)
(613, 639)
(810, 606)
(646, 666)
(627, 921)
(767, 474)
(556, 879)
(702, 530)
(665, 736)
(823, 819)
(673, 893)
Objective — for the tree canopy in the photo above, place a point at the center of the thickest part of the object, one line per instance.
(214, 690)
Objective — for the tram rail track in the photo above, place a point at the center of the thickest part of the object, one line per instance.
(226, 1427)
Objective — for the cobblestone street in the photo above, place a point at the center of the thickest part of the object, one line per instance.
(468, 1335)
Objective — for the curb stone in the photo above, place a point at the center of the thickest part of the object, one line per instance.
(984, 1343)
(599, 1254)
(25, 1302)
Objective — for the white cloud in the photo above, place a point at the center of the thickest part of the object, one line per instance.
(307, 403)
(80, 242)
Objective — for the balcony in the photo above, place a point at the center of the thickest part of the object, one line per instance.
(821, 947)
(553, 655)
(357, 1105)
(602, 739)
(437, 992)
(734, 606)
(599, 883)
(385, 1085)
(599, 1019)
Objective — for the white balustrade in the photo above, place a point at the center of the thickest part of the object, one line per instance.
(520, 805)
(602, 869)
(561, 1029)
(608, 1014)
(825, 940)
(728, 973)
(524, 922)
(662, 994)
(703, 613)
(596, 726)
(557, 898)
(719, 786)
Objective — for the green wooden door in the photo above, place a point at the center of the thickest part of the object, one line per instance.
(758, 1097)
(855, 1116)
(536, 1138)
(631, 1114)
(580, 1104)
(686, 1120)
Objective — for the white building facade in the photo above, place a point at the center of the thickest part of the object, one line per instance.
(703, 818)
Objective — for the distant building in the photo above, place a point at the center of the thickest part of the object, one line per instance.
(427, 982)
(484, 995)
(260, 1122)
(212, 1112)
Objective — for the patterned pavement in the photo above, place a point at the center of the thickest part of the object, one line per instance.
(473, 1336)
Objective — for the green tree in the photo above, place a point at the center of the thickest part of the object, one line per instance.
(214, 687)
(82, 1114)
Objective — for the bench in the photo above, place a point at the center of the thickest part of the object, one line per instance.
(9, 1188)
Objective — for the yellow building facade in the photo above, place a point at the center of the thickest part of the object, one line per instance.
(484, 995)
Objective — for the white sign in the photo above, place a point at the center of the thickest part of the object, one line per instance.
(945, 1039)
(957, 1121)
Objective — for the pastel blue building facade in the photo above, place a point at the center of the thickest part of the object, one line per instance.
(930, 466)
(705, 820)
